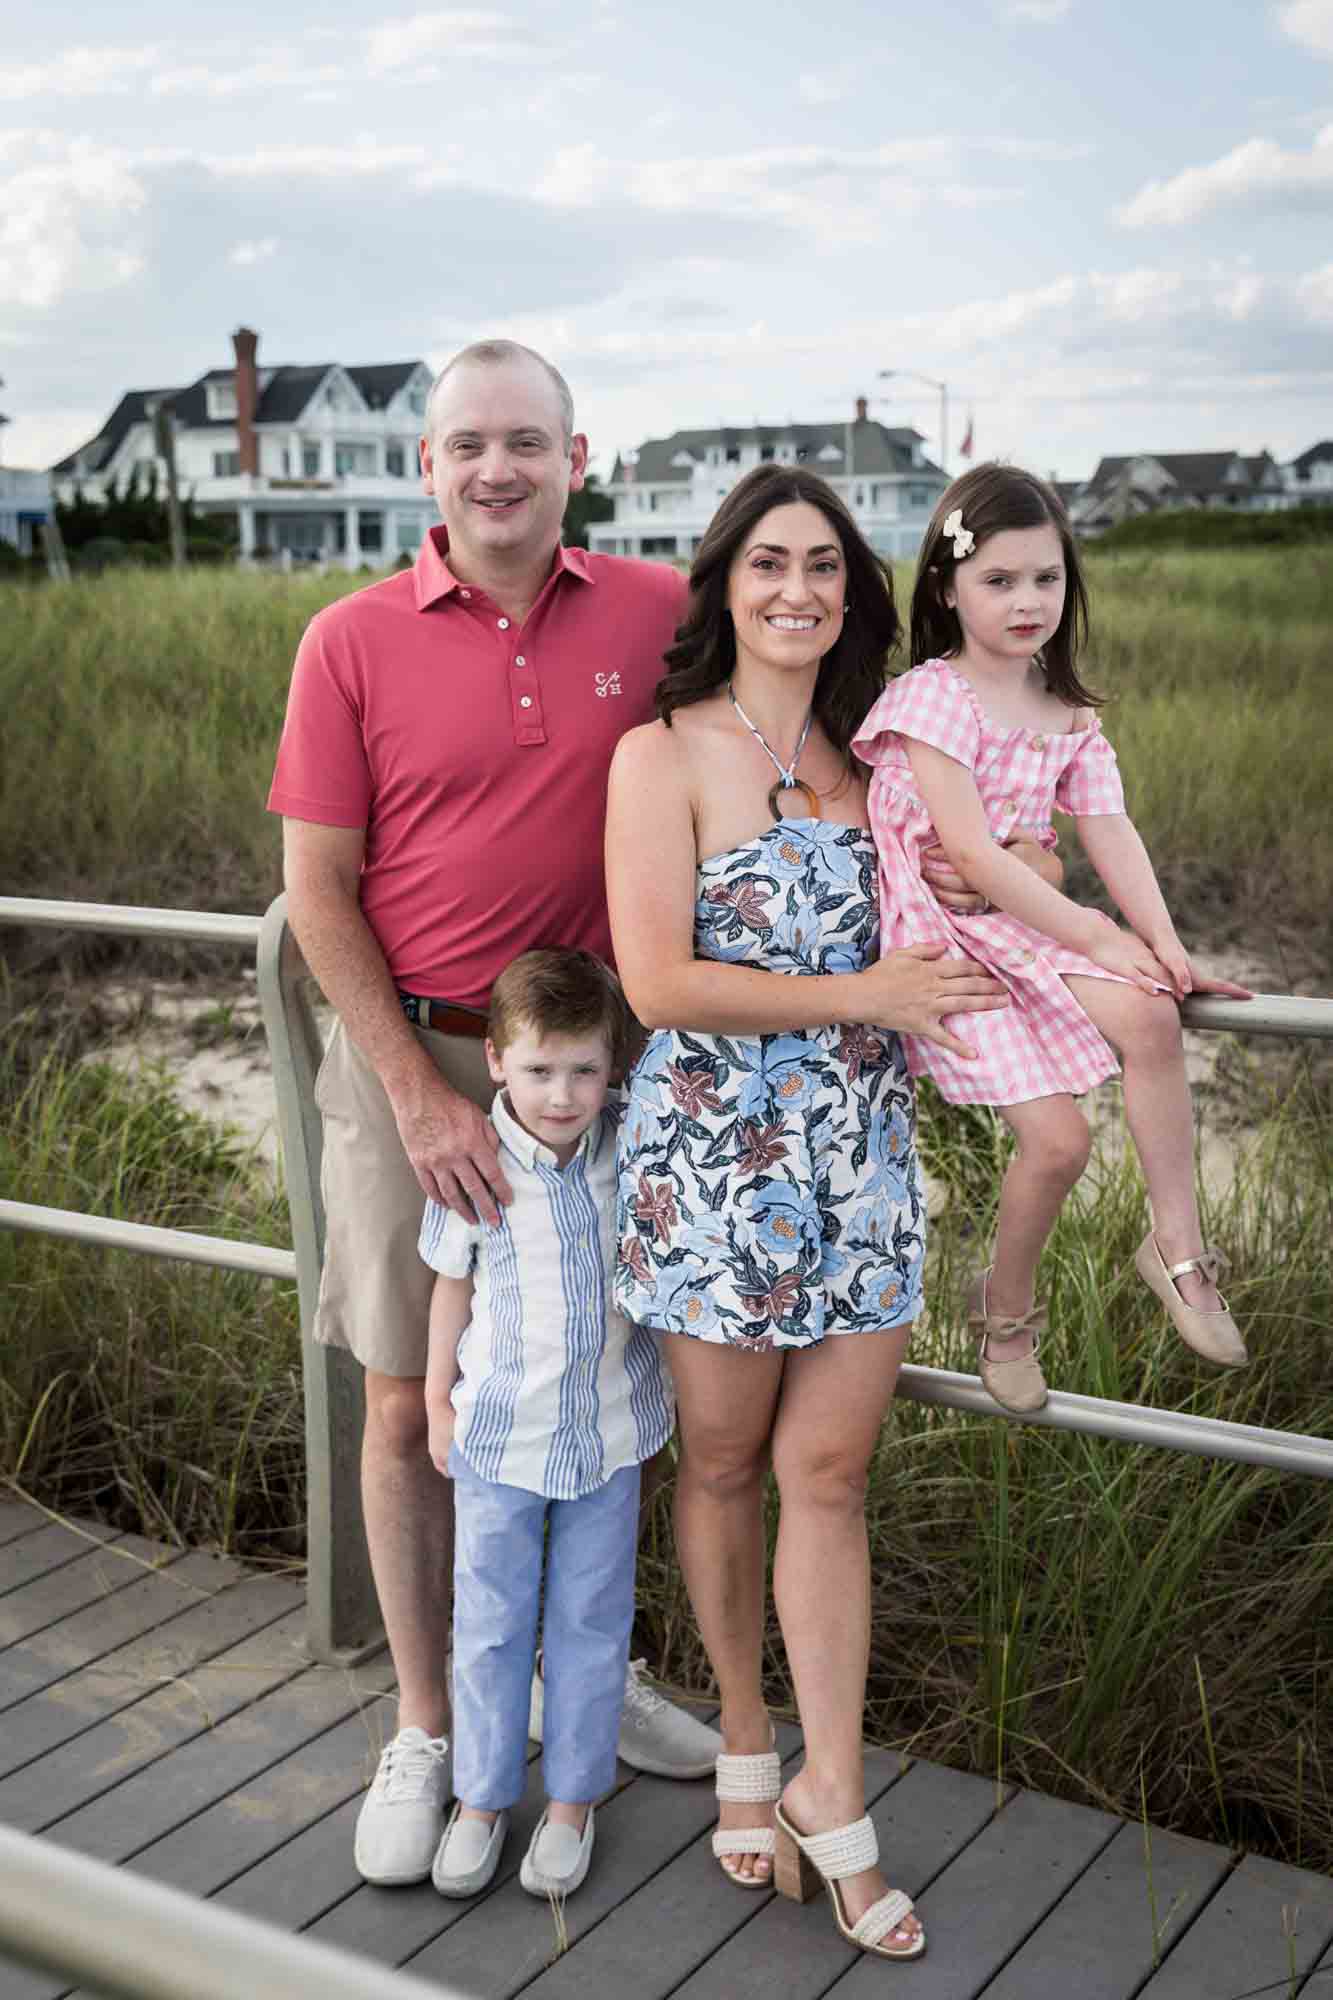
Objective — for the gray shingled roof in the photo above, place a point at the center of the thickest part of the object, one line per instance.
(875, 449)
(1316, 455)
(282, 400)
(1193, 471)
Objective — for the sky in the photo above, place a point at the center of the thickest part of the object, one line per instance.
(1104, 224)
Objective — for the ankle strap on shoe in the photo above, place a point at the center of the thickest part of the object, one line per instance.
(1210, 1265)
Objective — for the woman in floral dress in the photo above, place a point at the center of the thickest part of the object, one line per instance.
(770, 1200)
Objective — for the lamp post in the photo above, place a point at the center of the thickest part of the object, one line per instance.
(943, 388)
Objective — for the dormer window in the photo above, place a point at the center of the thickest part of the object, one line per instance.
(221, 398)
(829, 454)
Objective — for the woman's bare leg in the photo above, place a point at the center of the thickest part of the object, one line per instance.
(725, 1403)
(1144, 1028)
(834, 1397)
(1052, 1151)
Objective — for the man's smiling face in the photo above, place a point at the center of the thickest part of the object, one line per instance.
(499, 463)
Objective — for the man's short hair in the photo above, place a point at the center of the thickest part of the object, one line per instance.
(492, 354)
(555, 992)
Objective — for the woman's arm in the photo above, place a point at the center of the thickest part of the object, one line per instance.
(951, 797)
(651, 864)
(450, 1312)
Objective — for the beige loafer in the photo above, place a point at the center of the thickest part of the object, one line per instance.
(1214, 1335)
(1017, 1385)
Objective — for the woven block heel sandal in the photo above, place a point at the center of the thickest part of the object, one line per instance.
(1214, 1335)
(755, 1780)
(803, 1861)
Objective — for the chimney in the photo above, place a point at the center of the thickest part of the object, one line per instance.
(246, 344)
(861, 407)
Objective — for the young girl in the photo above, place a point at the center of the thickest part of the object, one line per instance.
(986, 735)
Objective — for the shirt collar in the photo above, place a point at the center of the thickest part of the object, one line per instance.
(531, 1151)
(433, 578)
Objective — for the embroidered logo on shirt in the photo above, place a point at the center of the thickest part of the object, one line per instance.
(607, 684)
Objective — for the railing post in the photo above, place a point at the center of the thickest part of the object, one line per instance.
(342, 1611)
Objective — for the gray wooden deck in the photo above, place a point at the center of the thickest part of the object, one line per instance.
(156, 1710)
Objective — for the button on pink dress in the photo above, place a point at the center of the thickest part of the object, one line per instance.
(1042, 1043)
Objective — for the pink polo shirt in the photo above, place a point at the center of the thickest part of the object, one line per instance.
(475, 754)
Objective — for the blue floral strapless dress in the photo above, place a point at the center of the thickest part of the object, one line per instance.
(769, 1191)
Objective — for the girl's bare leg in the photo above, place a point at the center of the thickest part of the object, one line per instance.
(1144, 1029)
(1052, 1150)
(725, 1404)
(832, 1405)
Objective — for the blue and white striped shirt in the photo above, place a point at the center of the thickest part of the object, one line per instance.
(556, 1389)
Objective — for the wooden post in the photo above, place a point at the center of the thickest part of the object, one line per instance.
(164, 438)
(53, 547)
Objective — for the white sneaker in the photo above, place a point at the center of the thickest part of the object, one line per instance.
(655, 1736)
(398, 1827)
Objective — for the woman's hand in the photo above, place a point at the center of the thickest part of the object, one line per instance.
(1129, 958)
(912, 990)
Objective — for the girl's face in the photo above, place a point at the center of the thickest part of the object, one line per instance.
(786, 588)
(1009, 594)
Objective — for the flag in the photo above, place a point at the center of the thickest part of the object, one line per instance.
(965, 448)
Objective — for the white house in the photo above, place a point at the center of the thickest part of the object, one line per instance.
(1309, 478)
(317, 460)
(1147, 482)
(667, 492)
(25, 502)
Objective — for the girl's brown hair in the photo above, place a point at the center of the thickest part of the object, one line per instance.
(853, 671)
(991, 498)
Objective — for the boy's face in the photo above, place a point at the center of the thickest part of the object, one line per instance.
(556, 1084)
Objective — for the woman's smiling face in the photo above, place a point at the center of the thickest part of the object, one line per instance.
(787, 587)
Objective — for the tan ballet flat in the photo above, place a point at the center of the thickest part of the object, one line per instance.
(802, 1861)
(755, 1780)
(1214, 1335)
(1017, 1385)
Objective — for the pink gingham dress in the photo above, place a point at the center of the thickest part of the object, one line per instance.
(1042, 1043)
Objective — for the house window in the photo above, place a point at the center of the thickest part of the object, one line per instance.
(221, 400)
(226, 464)
(395, 461)
(416, 402)
(733, 454)
(407, 531)
(765, 453)
(286, 462)
(353, 458)
(918, 498)
(310, 456)
(370, 532)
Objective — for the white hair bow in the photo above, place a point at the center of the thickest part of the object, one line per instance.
(964, 541)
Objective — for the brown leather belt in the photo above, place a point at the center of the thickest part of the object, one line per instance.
(443, 1016)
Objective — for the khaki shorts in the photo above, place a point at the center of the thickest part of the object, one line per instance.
(374, 1295)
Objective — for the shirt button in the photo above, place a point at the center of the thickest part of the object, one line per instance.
(465, 593)
(1009, 805)
(1039, 742)
(519, 661)
(525, 701)
(503, 624)
(1026, 957)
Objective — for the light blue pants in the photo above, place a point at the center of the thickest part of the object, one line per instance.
(498, 1536)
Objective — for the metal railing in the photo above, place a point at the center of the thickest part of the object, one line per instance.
(130, 1938)
(342, 1612)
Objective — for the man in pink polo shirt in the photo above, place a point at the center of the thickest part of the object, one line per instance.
(442, 781)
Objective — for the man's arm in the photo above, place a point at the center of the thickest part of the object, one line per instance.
(450, 1143)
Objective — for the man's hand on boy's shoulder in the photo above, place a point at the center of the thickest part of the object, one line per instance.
(453, 1148)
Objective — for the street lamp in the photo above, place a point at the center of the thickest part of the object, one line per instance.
(943, 388)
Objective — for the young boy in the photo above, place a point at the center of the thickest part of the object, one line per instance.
(543, 1403)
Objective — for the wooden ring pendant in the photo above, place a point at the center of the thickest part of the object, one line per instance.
(797, 785)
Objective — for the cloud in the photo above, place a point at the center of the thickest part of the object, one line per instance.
(68, 224)
(403, 43)
(1259, 174)
(80, 72)
(1310, 22)
(822, 87)
(257, 251)
(1034, 10)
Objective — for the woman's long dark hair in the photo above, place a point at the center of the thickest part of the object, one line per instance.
(991, 498)
(853, 671)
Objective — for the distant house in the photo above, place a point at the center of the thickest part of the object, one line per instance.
(1309, 478)
(1148, 482)
(25, 502)
(317, 460)
(667, 491)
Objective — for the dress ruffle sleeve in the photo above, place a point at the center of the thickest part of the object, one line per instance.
(930, 705)
(1090, 782)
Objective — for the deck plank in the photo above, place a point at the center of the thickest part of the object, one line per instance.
(982, 1906)
(48, 1548)
(91, 1579)
(1265, 1929)
(1121, 1917)
(62, 1648)
(18, 1518)
(171, 1652)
